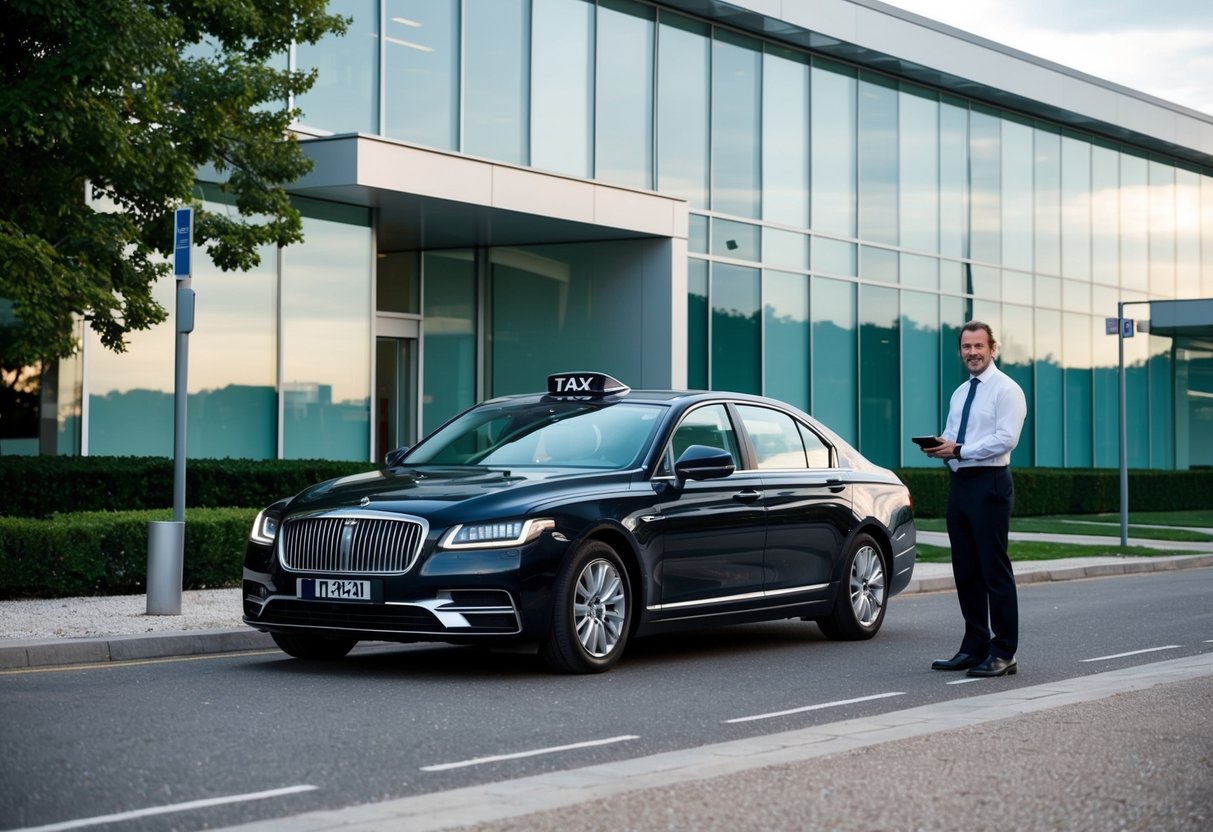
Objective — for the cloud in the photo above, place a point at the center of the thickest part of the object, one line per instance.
(1163, 48)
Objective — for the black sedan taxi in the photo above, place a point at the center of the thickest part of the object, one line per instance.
(579, 518)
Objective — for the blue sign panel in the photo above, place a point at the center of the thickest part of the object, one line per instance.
(1126, 328)
(183, 241)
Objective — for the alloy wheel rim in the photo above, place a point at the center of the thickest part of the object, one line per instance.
(867, 586)
(600, 608)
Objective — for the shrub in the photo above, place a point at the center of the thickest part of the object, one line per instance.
(1044, 491)
(39, 486)
(105, 553)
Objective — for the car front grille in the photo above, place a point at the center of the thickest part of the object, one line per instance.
(351, 543)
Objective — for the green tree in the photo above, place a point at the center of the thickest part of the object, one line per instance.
(108, 109)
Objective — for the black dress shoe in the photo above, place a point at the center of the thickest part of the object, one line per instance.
(995, 666)
(961, 661)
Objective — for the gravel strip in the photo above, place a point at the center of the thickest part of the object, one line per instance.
(117, 615)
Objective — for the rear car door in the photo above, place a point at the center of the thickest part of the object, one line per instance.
(807, 500)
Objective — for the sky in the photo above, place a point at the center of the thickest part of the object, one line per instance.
(1160, 47)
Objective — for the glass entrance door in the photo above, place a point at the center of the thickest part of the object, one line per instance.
(395, 394)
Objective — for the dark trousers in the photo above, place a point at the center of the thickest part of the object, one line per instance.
(979, 518)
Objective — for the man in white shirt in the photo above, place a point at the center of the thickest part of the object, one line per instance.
(985, 418)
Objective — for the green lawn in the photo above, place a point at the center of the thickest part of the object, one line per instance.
(1107, 525)
(1140, 525)
(1047, 551)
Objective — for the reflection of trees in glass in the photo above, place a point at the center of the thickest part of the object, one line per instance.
(19, 391)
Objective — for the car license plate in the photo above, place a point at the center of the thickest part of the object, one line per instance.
(328, 588)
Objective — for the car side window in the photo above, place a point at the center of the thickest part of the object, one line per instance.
(703, 426)
(815, 448)
(775, 437)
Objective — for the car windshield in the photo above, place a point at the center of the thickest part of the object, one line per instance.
(550, 434)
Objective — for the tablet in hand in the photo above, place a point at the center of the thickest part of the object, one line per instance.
(925, 442)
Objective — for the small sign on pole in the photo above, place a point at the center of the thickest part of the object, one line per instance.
(1111, 326)
(183, 241)
(1126, 328)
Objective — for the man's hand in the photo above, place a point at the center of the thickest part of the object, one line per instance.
(944, 450)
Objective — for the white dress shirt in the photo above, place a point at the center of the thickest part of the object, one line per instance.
(995, 420)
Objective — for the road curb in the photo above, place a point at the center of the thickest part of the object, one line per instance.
(16, 655)
(51, 652)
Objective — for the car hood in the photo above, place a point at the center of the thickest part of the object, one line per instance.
(429, 489)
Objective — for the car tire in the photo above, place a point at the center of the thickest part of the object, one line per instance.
(320, 648)
(591, 612)
(862, 597)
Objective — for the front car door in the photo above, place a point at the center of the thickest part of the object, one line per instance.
(712, 532)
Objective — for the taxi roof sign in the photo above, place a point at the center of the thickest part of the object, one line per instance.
(585, 385)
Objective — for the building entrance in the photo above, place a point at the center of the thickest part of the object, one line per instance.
(395, 393)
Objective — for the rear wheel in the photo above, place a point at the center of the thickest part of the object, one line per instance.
(590, 612)
(859, 608)
(306, 646)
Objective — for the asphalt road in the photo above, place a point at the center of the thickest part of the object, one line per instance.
(85, 742)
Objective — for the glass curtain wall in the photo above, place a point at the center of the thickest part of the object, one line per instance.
(321, 292)
(846, 218)
(326, 335)
(232, 403)
(684, 68)
(562, 86)
(496, 79)
(1028, 221)
(345, 97)
(623, 96)
(421, 72)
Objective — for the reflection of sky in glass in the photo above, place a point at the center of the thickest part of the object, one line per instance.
(326, 309)
(232, 341)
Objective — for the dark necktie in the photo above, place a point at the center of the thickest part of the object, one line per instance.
(964, 414)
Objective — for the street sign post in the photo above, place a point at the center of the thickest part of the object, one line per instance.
(166, 540)
(1122, 331)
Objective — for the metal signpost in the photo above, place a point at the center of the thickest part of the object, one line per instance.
(1123, 329)
(166, 540)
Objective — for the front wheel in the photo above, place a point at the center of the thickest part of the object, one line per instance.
(859, 608)
(323, 648)
(590, 612)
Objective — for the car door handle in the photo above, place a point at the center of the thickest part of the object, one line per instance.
(747, 496)
(834, 484)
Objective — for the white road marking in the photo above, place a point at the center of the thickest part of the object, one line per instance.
(534, 753)
(964, 681)
(1133, 653)
(814, 707)
(165, 810)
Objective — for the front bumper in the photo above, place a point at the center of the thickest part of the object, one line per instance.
(450, 613)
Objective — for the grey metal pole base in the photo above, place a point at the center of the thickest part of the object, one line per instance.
(165, 556)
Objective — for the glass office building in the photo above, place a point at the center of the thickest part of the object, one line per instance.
(693, 193)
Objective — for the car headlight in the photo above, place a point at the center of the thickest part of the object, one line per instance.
(265, 528)
(495, 534)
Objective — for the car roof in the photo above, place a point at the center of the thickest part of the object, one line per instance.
(654, 396)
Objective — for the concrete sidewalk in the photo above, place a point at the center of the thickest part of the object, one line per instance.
(115, 628)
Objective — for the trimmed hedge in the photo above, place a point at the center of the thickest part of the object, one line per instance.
(67, 543)
(1044, 491)
(39, 486)
(105, 553)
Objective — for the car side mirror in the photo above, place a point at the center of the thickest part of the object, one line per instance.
(702, 462)
(393, 458)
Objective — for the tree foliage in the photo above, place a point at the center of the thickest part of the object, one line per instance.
(108, 109)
